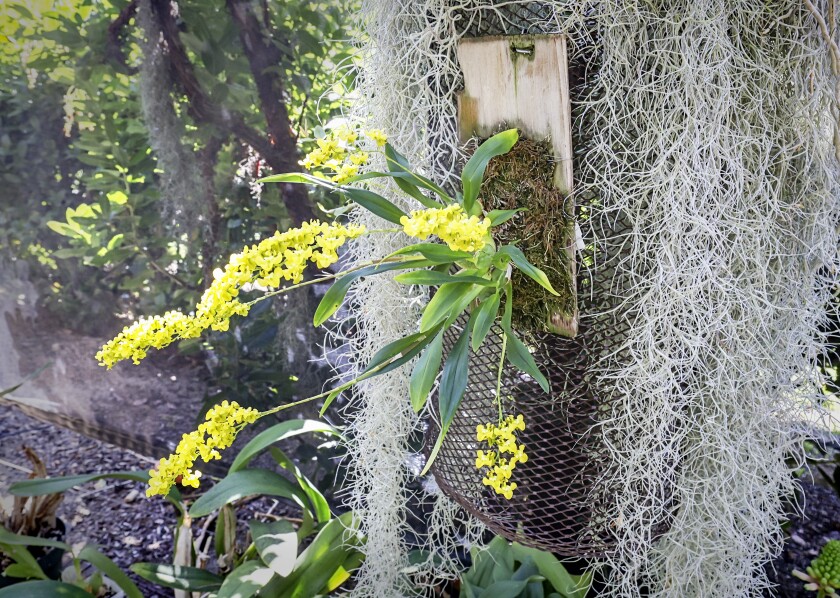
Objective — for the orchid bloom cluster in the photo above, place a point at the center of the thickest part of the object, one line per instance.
(338, 152)
(502, 441)
(277, 264)
(451, 225)
(219, 430)
(281, 257)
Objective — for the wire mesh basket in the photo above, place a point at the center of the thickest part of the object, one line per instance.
(562, 502)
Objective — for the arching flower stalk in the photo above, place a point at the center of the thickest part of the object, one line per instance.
(470, 272)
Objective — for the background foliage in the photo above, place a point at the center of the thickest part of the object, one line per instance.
(118, 211)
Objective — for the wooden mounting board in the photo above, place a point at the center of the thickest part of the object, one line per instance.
(523, 82)
(520, 81)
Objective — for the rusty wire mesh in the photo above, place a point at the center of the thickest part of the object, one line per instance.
(561, 503)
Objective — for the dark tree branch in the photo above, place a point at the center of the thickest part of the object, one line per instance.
(207, 157)
(114, 51)
(279, 157)
(264, 57)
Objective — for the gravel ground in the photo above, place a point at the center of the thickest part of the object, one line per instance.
(112, 514)
(808, 533)
(115, 515)
(130, 528)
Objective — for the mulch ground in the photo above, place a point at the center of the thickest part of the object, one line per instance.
(807, 534)
(129, 528)
(115, 515)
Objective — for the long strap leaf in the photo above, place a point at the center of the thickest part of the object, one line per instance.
(453, 385)
(335, 295)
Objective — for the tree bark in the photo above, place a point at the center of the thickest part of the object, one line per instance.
(264, 57)
(278, 148)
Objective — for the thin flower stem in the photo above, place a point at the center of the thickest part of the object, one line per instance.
(332, 276)
(384, 230)
(499, 376)
(345, 386)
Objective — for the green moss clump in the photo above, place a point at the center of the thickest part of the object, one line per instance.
(524, 178)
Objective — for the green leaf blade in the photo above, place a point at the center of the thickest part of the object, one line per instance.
(398, 164)
(178, 577)
(473, 173)
(527, 268)
(432, 278)
(453, 380)
(246, 580)
(424, 373)
(498, 217)
(335, 295)
(453, 385)
(62, 484)
(277, 544)
(436, 253)
(375, 203)
(278, 433)
(519, 355)
(43, 589)
(445, 303)
(111, 569)
(245, 483)
(484, 316)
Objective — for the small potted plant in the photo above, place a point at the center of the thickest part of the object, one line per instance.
(31, 516)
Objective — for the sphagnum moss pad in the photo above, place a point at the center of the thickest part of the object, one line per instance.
(524, 178)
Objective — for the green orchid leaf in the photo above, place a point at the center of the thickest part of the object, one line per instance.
(397, 163)
(178, 577)
(58, 485)
(453, 385)
(403, 180)
(528, 268)
(507, 316)
(394, 349)
(330, 398)
(388, 358)
(316, 567)
(432, 278)
(108, 567)
(277, 544)
(473, 173)
(449, 300)
(335, 295)
(25, 565)
(319, 504)
(453, 380)
(519, 356)
(241, 484)
(498, 217)
(424, 373)
(278, 433)
(11, 539)
(297, 177)
(246, 580)
(343, 572)
(484, 316)
(43, 589)
(517, 353)
(434, 252)
(375, 203)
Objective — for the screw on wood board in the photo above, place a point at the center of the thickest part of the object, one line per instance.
(522, 82)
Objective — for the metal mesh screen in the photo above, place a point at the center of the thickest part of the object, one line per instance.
(559, 504)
